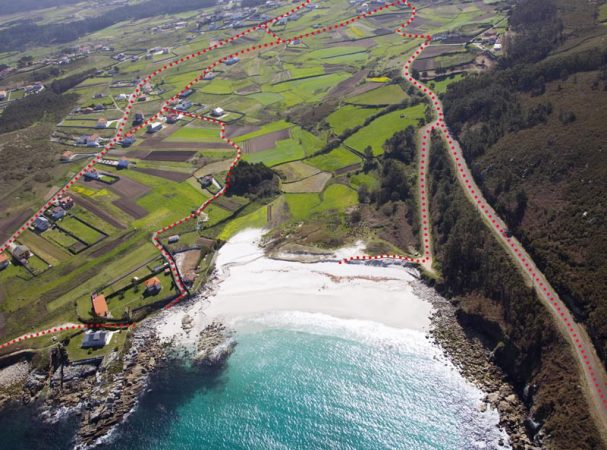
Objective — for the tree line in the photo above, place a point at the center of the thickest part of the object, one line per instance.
(27, 32)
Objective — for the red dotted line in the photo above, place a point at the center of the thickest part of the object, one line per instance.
(132, 98)
(54, 330)
(488, 212)
(183, 292)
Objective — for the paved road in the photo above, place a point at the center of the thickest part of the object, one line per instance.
(593, 372)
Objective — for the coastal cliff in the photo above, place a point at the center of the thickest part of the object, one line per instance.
(494, 306)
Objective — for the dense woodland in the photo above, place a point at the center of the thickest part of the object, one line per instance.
(252, 180)
(46, 106)
(27, 32)
(493, 300)
(534, 134)
(32, 5)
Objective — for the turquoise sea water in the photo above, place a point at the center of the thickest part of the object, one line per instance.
(302, 381)
(308, 381)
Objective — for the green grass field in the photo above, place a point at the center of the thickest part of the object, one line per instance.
(256, 219)
(349, 116)
(336, 159)
(384, 127)
(265, 129)
(77, 228)
(385, 95)
(301, 144)
(441, 86)
(335, 197)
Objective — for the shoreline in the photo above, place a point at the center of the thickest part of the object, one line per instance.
(198, 325)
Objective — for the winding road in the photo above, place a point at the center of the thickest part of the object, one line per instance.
(588, 363)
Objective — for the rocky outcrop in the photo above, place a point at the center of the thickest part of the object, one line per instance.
(214, 346)
(476, 364)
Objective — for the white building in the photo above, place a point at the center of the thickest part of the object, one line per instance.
(217, 112)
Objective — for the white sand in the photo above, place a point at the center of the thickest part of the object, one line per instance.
(251, 284)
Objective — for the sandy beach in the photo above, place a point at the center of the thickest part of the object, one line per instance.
(248, 284)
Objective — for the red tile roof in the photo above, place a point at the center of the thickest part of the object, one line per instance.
(100, 306)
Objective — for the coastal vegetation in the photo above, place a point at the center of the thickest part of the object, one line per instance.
(534, 140)
(493, 300)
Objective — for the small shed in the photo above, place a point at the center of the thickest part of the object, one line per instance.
(152, 286)
(173, 239)
(123, 164)
(139, 118)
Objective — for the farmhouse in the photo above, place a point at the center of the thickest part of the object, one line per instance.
(99, 306)
(154, 127)
(206, 181)
(128, 141)
(186, 93)
(66, 202)
(67, 156)
(4, 261)
(121, 97)
(217, 112)
(231, 61)
(3, 95)
(152, 286)
(20, 252)
(96, 339)
(101, 123)
(139, 118)
(184, 105)
(99, 107)
(58, 213)
(172, 118)
(123, 164)
(41, 224)
(91, 174)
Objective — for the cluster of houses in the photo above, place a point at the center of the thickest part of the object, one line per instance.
(88, 140)
(170, 26)
(53, 214)
(156, 51)
(35, 88)
(152, 285)
(490, 40)
(89, 109)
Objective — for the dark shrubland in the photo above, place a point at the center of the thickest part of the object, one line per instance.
(253, 180)
(533, 133)
(493, 300)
